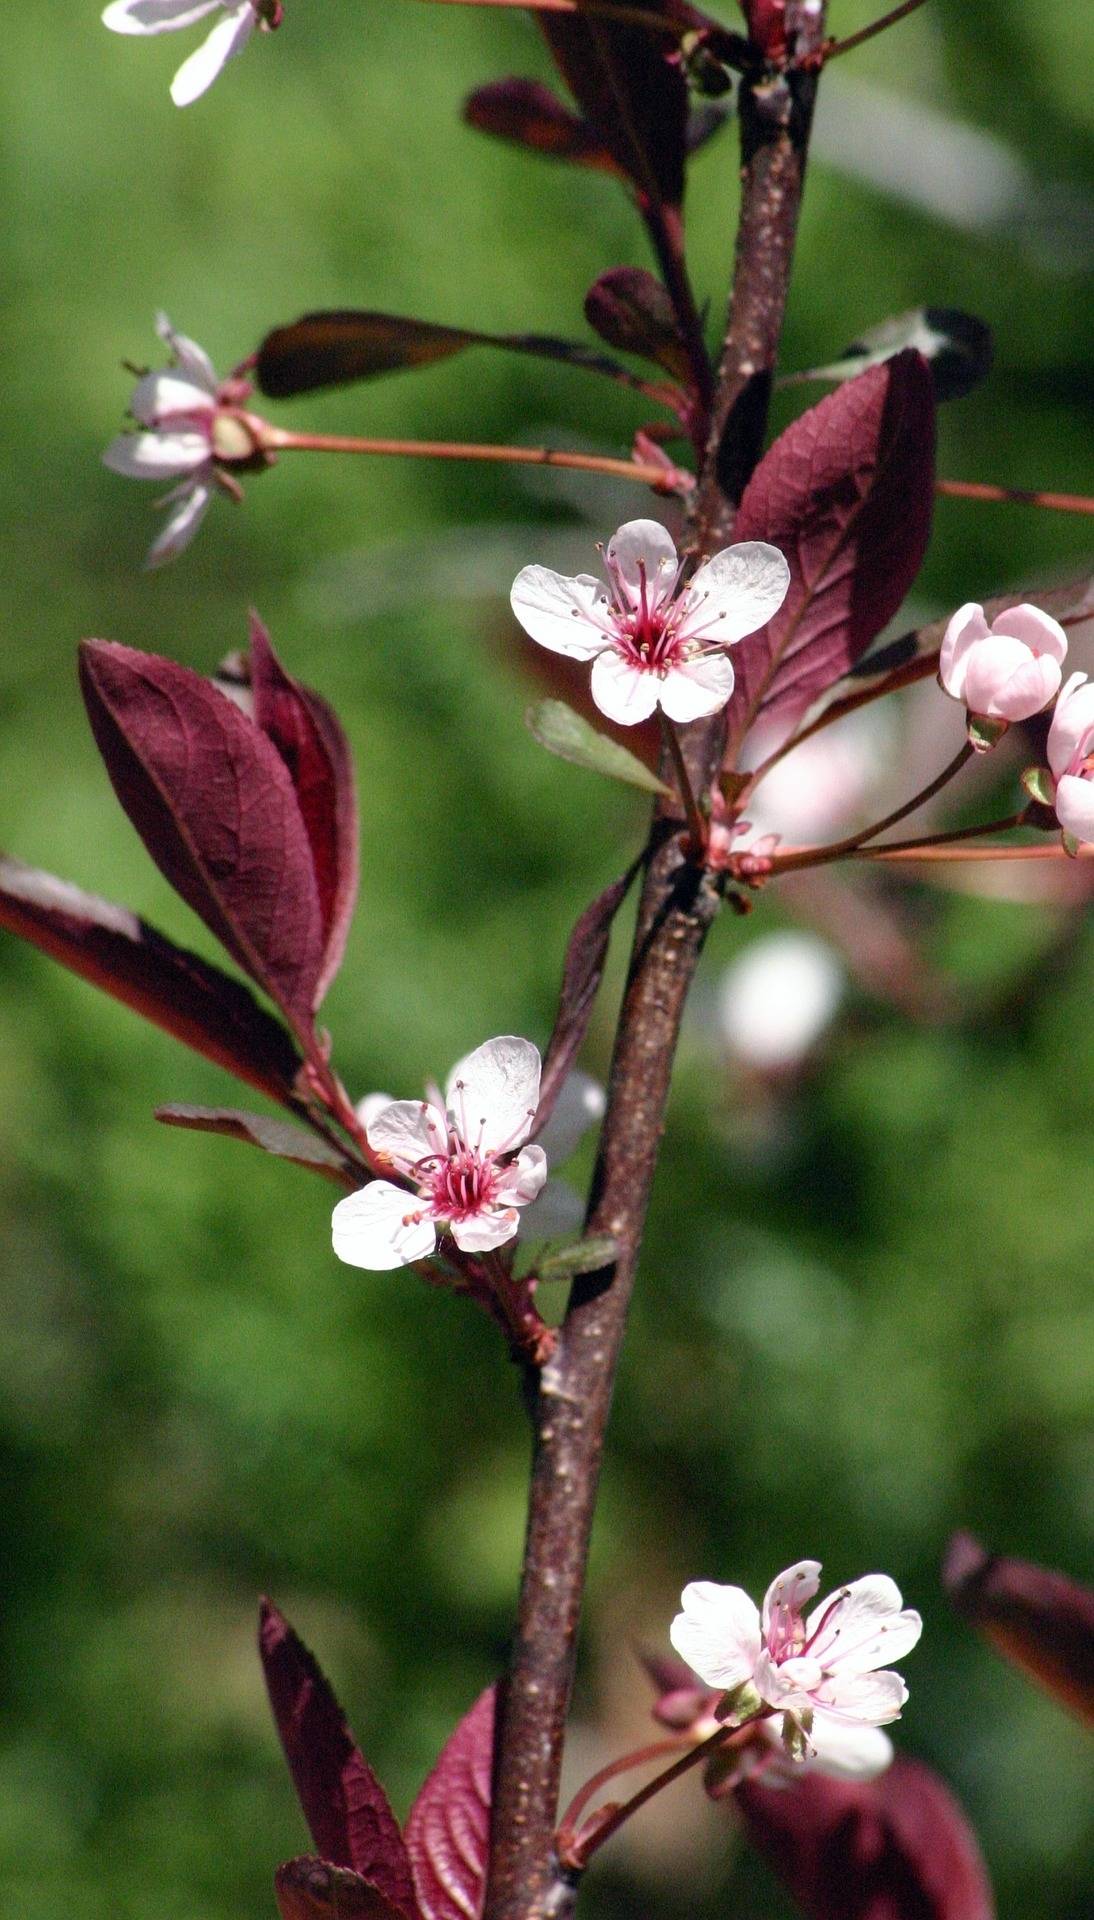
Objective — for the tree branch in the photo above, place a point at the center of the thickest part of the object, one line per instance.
(677, 907)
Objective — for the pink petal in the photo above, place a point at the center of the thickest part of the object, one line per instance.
(846, 1749)
(736, 592)
(717, 1633)
(644, 547)
(873, 1697)
(481, 1232)
(698, 687)
(228, 38)
(493, 1093)
(178, 531)
(787, 1595)
(988, 665)
(381, 1227)
(193, 361)
(624, 693)
(520, 1182)
(156, 456)
(569, 616)
(1075, 806)
(158, 394)
(966, 627)
(1038, 631)
(1071, 734)
(1030, 689)
(862, 1626)
(408, 1131)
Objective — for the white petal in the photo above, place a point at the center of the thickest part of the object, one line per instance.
(570, 616)
(1075, 806)
(845, 1749)
(1036, 630)
(788, 1594)
(580, 1104)
(408, 1131)
(736, 592)
(228, 38)
(370, 1105)
(875, 1698)
(156, 456)
(159, 395)
(557, 1210)
(787, 1683)
(382, 1227)
(626, 694)
(178, 531)
(156, 16)
(193, 361)
(717, 1633)
(965, 628)
(523, 1179)
(697, 687)
(863, 1626)
(1031, 688)
(493, 1093)
(481, 1232)
(644, 547)
(1072, 731)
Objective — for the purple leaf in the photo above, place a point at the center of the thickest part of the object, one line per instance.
(330, 349)
(448, 1829)
(635, 97)
(630, 309)
(530, 115)
(215, 806)
(311, 1889)
(344, 1804)
(308, 735)
(1041, 1620)
(278, 1137)
(118, 952)
(846, 493)
(582, 972)
(895, 1848)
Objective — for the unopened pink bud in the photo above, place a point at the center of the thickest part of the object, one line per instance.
(1006, 672)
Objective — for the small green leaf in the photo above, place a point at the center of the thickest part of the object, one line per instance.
(563, 732)
(983, 732)
(585, 1256)
(957, 347)
(1072, 843)
(1040, 785)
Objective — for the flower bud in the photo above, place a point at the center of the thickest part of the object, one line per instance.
(1006, 672)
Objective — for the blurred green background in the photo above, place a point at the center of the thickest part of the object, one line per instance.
(864, 1315)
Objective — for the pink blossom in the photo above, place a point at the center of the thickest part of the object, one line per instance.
(464, 1157)
(1071, 757)
(228, 38)
(654, 640)
(1008, 671)
(821, 1673)
(186, 435)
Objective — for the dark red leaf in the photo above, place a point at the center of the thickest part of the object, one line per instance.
(582, 972)
(118, 952)
(846, 493)
(311, 1889)
(1041, 1620)
(633, 94)
(308, 735)
(895, 1848)
(448, 1829)
(631, 310)
(278, 1137)
(344, 1804)
(214, 804)
(330, 349)
(530, 115)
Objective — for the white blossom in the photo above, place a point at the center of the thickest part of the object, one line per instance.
(237, 21)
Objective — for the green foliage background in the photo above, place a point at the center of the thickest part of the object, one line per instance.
(846, 1348)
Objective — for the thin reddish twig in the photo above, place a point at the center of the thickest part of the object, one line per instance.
(1015, 496)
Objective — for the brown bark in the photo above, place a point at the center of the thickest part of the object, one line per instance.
(677, 907)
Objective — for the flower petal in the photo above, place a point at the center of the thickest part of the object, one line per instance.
(1036, 630)
(875, 1698)
(735, 592)
(1072, 729)
(523, 1180)
(228, 38)
(370, 1105)
(626, 694)
(178, 531)
(156, 456)
(1075, 806)
(1031, 688)
(965, 628)
(407, 1132)
(787, 1595)
(481, 1232)
(644, 547)
(381, 1227)
(862, 1626)
(569, 616)
(493, 1093)
(155, 16)
(157, 396)
(580, 1104)
(697, 687)
(193, 361)
(717, 1633)
(846, 1749)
